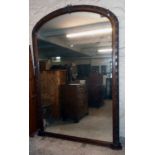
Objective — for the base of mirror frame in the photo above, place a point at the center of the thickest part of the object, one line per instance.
(40, 133)
(117, 146)
(81, 140)
(33, 134)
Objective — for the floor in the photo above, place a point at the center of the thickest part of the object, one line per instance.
(53, 146)
(96, 125)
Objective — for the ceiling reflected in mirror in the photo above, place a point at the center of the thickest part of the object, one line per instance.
(79, 34)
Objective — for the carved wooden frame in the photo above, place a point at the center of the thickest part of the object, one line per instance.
(115, 144)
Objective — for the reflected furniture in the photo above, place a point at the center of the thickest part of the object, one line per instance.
(74, 101)
(83, 70)
(108, 88)
(95, 89)
(50, 90)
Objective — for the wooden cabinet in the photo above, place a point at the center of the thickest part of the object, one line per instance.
(50, 89)
(32, 99)
(42, 65)
(74, 102)
(95, 89)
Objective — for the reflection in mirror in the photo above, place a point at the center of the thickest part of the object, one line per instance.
(75, 58)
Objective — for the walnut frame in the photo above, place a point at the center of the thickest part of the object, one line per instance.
(115, 144)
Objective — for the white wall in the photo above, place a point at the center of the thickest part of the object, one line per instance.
(40, 8)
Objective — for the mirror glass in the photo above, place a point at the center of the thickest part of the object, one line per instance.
(75, 60)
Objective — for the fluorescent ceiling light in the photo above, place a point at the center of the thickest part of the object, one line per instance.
(105, 50)
(58, 58)
(89, 33)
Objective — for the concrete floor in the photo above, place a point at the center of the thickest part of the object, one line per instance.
(53, 146)
(96, 125)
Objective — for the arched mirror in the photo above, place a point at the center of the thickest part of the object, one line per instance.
(76, 58)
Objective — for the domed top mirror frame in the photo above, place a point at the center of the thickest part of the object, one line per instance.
(115, 72)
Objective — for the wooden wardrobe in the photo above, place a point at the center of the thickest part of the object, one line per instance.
(50, 90)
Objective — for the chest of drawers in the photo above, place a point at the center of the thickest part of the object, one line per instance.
(74, 101)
